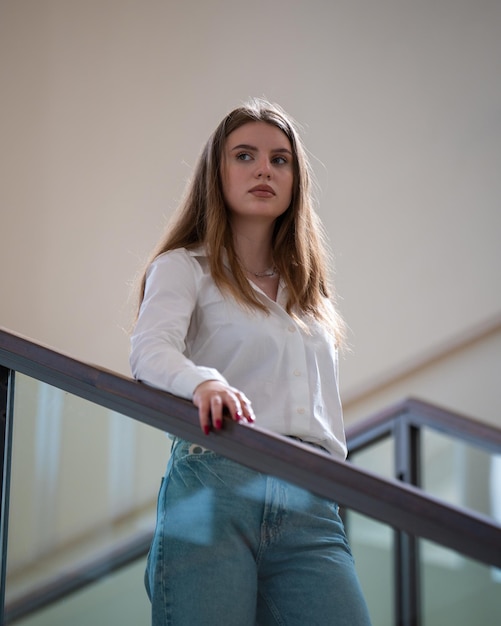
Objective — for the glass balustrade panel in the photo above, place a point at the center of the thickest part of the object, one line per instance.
(84, 484)
(457, 591)
(372, 542)
(462, 474)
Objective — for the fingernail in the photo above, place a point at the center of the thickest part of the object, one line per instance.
(238, 415)
(206, 429)
(218, 424)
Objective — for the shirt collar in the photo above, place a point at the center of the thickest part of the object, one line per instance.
(200, 251)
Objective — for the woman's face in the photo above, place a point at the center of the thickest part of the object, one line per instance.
(257, 172)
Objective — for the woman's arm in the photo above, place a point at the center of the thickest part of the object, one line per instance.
(158, 342)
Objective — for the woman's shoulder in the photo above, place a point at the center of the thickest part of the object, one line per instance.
(180, 262)
(179, 256)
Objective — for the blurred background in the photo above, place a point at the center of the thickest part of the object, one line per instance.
(105, 105)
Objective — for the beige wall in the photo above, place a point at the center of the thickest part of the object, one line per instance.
(105, 105)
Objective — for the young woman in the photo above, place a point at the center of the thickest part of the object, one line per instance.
(235, 315)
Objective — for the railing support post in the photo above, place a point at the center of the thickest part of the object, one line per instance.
(407, 565)
(6, 418)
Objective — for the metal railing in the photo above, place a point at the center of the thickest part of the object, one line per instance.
(404, 423)
(403, 506)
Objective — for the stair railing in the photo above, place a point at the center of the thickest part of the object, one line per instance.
(403, 506)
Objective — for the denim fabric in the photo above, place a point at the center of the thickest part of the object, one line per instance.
(233, 547)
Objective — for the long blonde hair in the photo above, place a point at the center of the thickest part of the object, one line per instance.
(299, 251)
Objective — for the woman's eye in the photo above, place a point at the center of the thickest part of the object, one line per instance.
(280, 160)
(243, 156)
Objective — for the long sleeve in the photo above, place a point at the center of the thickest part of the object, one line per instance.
(158, 343)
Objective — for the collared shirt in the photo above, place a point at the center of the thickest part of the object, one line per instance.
(188, 332)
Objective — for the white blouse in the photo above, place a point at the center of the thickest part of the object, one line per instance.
(188, 332)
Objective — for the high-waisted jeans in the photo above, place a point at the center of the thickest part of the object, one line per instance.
(233, 547)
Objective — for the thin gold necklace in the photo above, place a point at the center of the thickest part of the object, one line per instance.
(268, 273)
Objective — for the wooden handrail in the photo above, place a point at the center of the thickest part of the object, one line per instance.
(400, 506)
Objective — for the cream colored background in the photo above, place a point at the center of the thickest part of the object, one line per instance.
(106, 103)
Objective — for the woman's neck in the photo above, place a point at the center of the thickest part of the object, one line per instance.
(253, 248)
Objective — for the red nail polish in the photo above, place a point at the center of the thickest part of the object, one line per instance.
(218, 424)
(206, 429)
(238, 416)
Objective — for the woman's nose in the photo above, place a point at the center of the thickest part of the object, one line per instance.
(264, 169)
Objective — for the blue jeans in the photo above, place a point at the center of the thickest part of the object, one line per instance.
(233, 547)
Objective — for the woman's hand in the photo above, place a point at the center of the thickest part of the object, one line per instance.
(212, 397)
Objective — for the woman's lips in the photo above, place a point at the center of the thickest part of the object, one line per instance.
(262, 191)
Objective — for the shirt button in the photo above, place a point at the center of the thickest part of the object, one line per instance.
(297, 373)
(300, 411)
(291, 329)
